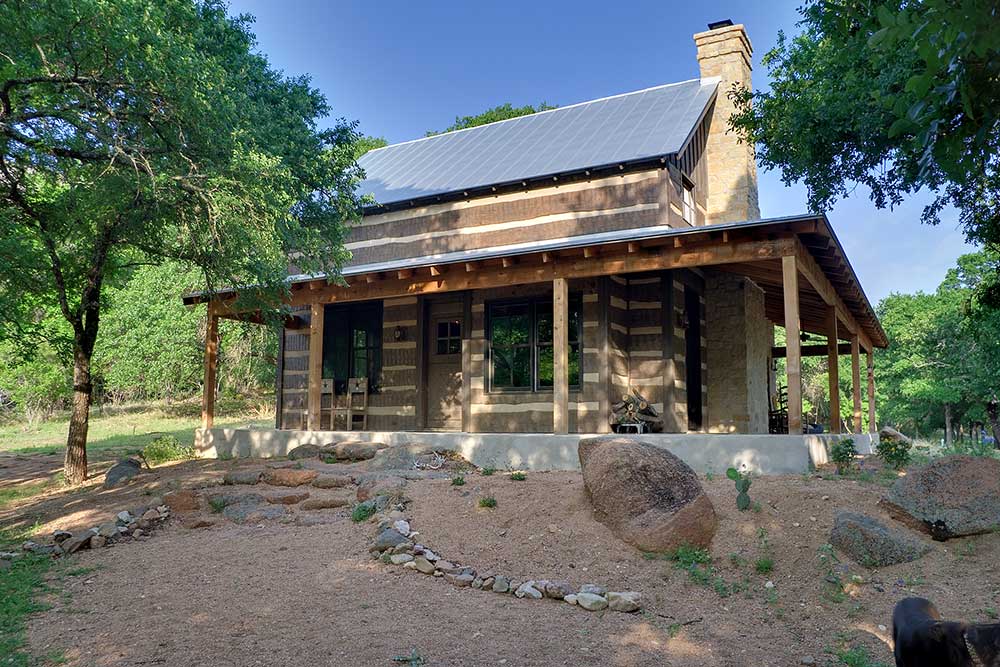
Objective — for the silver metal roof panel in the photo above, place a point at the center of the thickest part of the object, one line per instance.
(622, 129)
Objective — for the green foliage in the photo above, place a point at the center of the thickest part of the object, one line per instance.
(518, 476)
(487, 470)
(488, 502)
(857, 656)
(166, 448)
(497, 113)
(764, 565)
(216, 504)
(36, 386)
(363, 511)
(842, 454)
(458, 480)
(894, 451)
(742, 481)
(896, 96)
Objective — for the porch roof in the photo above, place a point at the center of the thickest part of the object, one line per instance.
(813, 231)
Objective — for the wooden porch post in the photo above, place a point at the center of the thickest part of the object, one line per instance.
(793, 342)
(560, 354)
(211, 368)
(833, 367)
(315, 395)
(856, 380)
(872, 428)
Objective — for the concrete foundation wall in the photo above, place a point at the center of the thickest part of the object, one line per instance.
(761, 454)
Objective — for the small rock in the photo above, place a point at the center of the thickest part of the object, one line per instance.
(558, 590)
(151, 515)
(331, 502)
(108, 530)
(292, 498)
(387, 539)
(98, 541)
(124, 518)
(571, 598)
(332, 481)
(444, 565)
(403, 548)
(870, 542)
(594, 589)
(79, 541)
(243, 476)
(400, 559)
(627, 602)
(121, 473)
(477, 583)
(402, 526)
(307, 452)
(500, 584)
(528, 590)
(138, 532)
(423, 565)
(289, 476)
(410, 566)
(431, 556)
(807, 660)
(769, 585)
(459, 580)
(591, 602)
(391, 486)
(61, 535)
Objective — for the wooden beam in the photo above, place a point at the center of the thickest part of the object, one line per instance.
(211, 368)
(403, 274)
(437, 271)
(856, 380)
(470, 267)
(833, 368)
(508, 262)
(633, 248)
(547, 257)
(793, 362)
(780, 351)
(372, 277)
(560, 354)
(609, 263)
(872, 428)
(589, 253)
(817, 278)
(466, 393)
(315, 395)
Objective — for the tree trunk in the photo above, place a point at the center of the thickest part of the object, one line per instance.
(992, 409)
(947, 425)
(75, 465)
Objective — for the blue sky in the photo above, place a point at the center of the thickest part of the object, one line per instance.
(402, 68)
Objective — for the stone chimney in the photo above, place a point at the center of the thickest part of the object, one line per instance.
(724, 51)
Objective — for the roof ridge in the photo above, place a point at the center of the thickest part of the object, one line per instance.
(702, 80)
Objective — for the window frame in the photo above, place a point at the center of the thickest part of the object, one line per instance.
(534, 345)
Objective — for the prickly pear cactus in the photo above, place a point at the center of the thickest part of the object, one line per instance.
(742, 482)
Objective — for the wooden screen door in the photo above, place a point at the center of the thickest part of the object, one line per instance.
(444, 365)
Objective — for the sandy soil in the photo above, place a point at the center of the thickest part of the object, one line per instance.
(286, 594)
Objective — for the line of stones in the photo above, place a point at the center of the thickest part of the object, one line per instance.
(396, 544)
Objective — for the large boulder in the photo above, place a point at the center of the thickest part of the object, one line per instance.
(871, 543)
(950, 497)
(890, 434)
(121, 473)
(289, 476)
(356, 450)
(647, 496)
(410, 456)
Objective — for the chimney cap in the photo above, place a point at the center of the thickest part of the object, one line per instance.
(724, 23)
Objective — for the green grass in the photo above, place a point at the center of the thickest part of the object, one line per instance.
(13, 494)
(458, 480)
(857, 656)
(19, 589)
(764, 565)
(363, 511)
(487, 470)
(129, 429)
(488, 502)
(518, 476)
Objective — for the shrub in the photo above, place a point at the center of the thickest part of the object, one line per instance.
(894, 451)
(488, 501)
(458, 480)
(742, 481)
(764, 565)
(216, 504)
(363, 511)
(842, 454)
(487, 470)
(518, 476)
(166, 448)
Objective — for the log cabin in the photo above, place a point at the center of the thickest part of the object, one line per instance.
(522, 277)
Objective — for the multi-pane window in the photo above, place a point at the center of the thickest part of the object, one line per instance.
(688, 203)
(352, 344)
(449, 337)
(520, 340)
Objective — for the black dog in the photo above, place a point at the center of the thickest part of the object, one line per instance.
(923, 640)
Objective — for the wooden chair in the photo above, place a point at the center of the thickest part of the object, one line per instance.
(355, 403)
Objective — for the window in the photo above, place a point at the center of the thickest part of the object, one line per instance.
(687, 209)
(520, 338)
(449, 337)
(352, 344)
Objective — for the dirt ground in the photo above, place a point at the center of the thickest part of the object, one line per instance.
(279, 593)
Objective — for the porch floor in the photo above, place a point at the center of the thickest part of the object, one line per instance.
(704, 452)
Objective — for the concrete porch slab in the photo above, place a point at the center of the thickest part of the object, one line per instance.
(761, 454)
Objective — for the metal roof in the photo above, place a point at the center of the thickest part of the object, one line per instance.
(621, 129)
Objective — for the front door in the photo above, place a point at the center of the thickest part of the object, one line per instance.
(444, 365)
